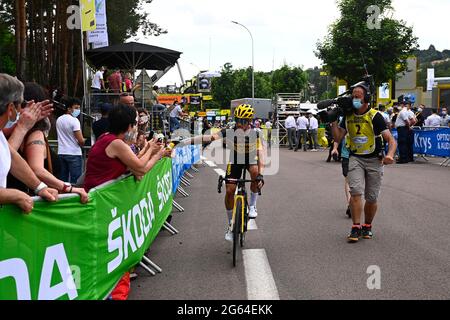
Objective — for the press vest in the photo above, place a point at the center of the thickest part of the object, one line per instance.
(361, 136)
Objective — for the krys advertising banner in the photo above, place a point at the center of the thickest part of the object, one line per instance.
(67, 250)
(432, 142)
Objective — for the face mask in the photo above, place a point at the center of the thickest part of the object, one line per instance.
(76, 113)
(143, 120)
(357, 104)
(444, 113)
(10, 123)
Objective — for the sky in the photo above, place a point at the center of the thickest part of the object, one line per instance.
(284, 31)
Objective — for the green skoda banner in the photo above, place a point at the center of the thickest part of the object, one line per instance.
(67, 250)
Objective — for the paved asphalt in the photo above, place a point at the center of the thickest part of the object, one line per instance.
(302, 227)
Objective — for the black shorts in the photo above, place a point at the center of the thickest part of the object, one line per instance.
(234, 171)
(345, 162)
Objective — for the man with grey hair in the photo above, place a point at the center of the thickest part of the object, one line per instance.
(11, 97)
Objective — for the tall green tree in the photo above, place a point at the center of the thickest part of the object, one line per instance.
(365, 30)
(126, 18)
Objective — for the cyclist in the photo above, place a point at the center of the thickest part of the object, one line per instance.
(247, 154)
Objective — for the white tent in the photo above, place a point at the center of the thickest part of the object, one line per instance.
(210, 74)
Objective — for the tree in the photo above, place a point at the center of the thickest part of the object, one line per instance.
(356, 35)
(288, 80)
(126, 18)
(7, 58)
(237, 84)
(46, 51)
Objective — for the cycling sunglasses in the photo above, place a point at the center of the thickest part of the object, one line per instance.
(243, 121)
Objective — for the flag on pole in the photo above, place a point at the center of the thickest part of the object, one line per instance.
(88, 22)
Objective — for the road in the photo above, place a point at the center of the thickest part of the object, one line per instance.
(302, 229)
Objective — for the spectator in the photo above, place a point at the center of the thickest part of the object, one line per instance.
(102, 126)
(70, 142)
(154, 99)
(128, 83)
(419, 116)
(36, 149)
(115, 82)
(313, 131)
(269, 132)
(127, 99)
(111, 157)
(385, 115)
(394, 116)
(144, 121)
(291, 127)
(445, 118)
(404, 123)
(11, 96)
(434, 120)
(141, 140)
(175, 116)
(97, 86)
(302, 132)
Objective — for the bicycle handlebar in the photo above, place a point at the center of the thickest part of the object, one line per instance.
(231, 180)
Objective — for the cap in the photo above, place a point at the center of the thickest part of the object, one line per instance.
(106, 107)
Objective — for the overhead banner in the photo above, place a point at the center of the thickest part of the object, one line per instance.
(88, 22)
(99, 36)
(67, 251)
(432, 142)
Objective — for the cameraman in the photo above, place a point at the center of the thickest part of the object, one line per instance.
(365, 128)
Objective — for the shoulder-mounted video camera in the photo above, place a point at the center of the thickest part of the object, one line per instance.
(331, 110)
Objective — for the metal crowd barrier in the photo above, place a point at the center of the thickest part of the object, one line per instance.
(148, 265)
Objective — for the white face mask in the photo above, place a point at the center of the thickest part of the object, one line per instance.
(10, 123)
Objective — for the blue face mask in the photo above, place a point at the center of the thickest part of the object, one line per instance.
(357, 104)
(10, 123)
(76, 113)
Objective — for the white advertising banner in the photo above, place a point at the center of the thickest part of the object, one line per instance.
(99, 37)
(430, 79)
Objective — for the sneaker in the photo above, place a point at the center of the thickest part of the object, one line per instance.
(354, 235)
(367, 232)
(133, 276)
(229, 234)
(253, 213)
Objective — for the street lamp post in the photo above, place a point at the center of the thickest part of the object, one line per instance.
(253, 62)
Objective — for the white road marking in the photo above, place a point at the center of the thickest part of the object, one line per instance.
(258, 275)
(211, 164)
(220, 172)
(252, 225)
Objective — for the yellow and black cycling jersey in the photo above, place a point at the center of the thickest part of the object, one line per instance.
(244, 145)
(364, 133)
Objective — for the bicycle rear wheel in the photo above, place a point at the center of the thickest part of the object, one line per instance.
(237, 229)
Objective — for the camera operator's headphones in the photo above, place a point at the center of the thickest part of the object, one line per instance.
(368, 95)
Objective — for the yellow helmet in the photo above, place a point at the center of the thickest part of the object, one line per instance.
(244, 111)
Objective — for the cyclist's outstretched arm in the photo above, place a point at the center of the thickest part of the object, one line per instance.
(201, 139)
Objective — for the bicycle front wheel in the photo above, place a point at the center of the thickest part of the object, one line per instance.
(239, 205)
